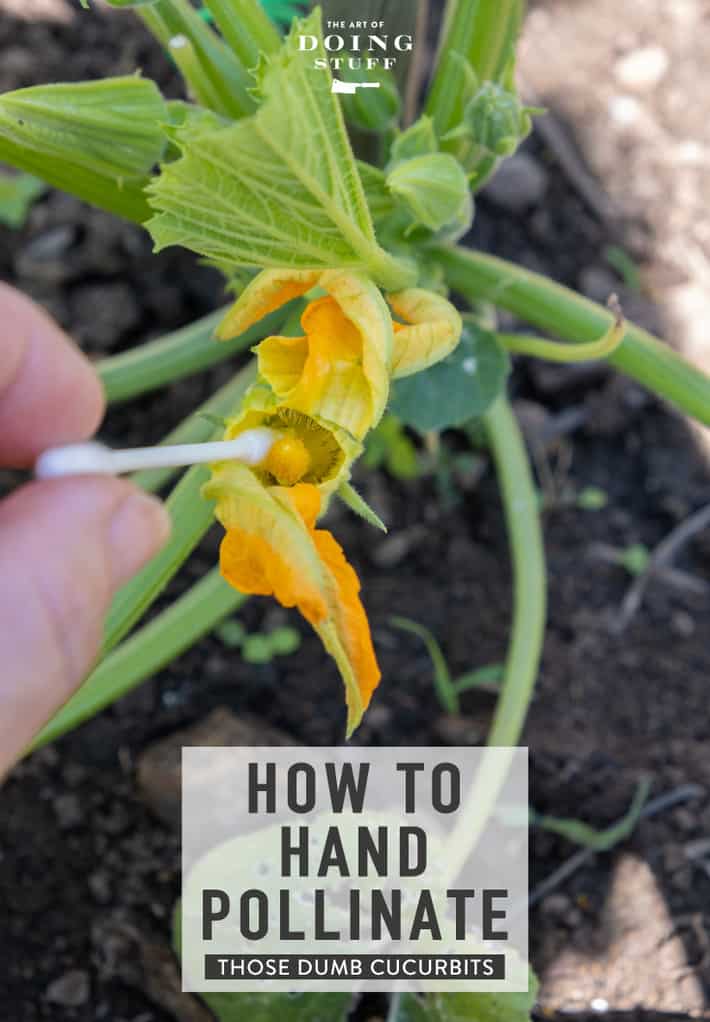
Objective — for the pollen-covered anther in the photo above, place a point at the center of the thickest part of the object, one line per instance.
(288, 460)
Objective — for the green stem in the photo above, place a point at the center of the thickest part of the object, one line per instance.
(182, 353)
(522, 517)
(522, 661)
(195, 614)
(215, 75)
(552, 351)
(191, 518)
(556, 309)
(246, 28)
(196, 428)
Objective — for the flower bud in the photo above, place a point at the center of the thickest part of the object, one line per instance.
(434, 188)
(496, 119)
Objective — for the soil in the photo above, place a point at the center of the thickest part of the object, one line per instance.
(89, 873)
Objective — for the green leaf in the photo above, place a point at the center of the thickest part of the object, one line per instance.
(388, 446)
(231, 633)
(418, 140)
(635, 558)
(459, 388)
(17, 193)
(443, 684)
(191, 518)
(489, 676)
(97, 140)
(277, 189)
(592, 498)
(292, 1007)
(279, 1007)
(270, 1007)
(583, 834)
(256, 649)
(379, 198)
(284, 640)
(469, 1007)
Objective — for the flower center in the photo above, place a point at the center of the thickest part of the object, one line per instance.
(288, 460)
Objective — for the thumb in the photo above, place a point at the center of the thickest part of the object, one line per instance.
(65, 548)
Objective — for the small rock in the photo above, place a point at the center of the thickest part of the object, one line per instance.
(519, 182)
(68, 811)
(44, 257)
(625, 110)
(557, 906)
(103, 313)
(683, 624)
(73, 774)
(642, 69)
(395, 547)
(597, 283)
(452, 729)
(71, 990)
(159, 773)
(100, 886)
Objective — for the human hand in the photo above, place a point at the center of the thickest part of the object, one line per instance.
(66, 545)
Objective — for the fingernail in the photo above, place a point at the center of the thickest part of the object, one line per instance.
(139, 527)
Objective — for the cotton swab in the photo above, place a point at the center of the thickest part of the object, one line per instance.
(93, 458)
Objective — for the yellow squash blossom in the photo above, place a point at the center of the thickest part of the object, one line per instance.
(429, 331)
(272, 548)
(339, 370)
(320, 393)
(309, 449)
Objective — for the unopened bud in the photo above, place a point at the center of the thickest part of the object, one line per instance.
(496, 119)
(434, 188)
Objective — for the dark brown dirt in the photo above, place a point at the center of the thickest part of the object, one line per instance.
(88, 876)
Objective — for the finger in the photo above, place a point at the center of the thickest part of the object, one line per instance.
(49, 392)
(65, 547)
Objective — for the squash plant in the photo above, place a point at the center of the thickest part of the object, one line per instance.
(343, 265)
(343, 270)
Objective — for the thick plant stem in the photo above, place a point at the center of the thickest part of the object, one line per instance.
(182, 353)
(197, 612)
(557, 310)
(247, 29)
(480, 33)
(215, 75)
(522, 517)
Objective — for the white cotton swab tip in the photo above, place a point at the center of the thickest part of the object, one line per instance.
(91, 458)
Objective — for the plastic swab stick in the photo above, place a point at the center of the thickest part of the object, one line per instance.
(92, 458)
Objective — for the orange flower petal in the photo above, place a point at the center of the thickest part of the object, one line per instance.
(351, 620)
(251, 565)
(268, 291)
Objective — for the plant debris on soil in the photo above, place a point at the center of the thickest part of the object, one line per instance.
(89, 855)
